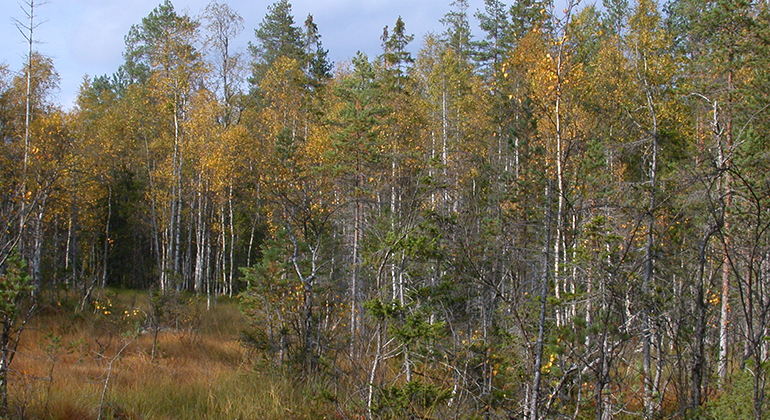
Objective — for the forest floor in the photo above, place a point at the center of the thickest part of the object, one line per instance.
(106, 360)
(103, 361)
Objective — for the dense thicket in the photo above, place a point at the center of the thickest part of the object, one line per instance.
(569, 217)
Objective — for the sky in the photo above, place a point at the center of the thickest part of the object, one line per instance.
(86, 37)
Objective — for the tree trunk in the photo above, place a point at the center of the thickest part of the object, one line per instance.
(27, 122)
(200, 238)
(725, 188)
(698, 371)
(231, 268)
(37, 246)
(105, 251)
(649, 272)
(354, 280)
(5, 336)
(540, 343)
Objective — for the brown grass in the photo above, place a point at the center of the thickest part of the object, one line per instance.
(199, 370)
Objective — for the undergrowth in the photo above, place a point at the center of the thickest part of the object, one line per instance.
(97, 363)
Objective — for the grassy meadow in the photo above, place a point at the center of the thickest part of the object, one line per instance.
(106, 360)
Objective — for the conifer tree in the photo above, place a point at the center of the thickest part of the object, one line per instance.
(356, 164)
(277, 36)
(457, 34)
(499, 37)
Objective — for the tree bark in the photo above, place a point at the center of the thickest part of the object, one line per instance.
(698, 370)
(540, 343)
(724, 150)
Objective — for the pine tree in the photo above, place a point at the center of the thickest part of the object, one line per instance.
(356, 163)
(499, 35)
(318, 67)
(277, 36)
(457, 34)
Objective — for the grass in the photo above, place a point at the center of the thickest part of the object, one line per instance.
(200, 371)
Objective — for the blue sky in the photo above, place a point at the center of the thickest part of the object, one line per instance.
(85, 37)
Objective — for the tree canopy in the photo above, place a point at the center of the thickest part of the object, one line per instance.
(567, 217)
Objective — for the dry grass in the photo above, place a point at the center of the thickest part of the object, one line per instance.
(199, 372)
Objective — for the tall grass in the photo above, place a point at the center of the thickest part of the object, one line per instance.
(200, 370)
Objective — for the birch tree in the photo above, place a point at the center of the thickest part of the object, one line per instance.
(162, 52)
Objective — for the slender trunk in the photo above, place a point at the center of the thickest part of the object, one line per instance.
(699, 351)
(223, 249)
(445, 138)
(105, 251)
(174, 229)
(393, 219)
(200, 239)
(559, 240)
(71, 253)
(603, 410)
(759, 388)
(67, 249)
(649, 250)
(231, 268)
(540, 343)
(252, 233)
(37, 246)
(5, 336)
(354, 286)
(649, 272)
(726, 191)
(373, 374)
(724, 311)
(27, 121)
(407, 364)
(431, 170)
(226, 83)
(189, 257)
(207, 273)
(309, 325)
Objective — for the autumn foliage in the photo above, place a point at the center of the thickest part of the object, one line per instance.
(566, 218)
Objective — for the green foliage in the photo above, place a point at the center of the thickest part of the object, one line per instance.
(409, 326)
(276, 303)
(163, 40)
(529, 15)
(586, 153)
(499, 37)
(734, 402)
(426, 243)
(457, 34)
(318, 67)
(394, 45)
(14, 284)
(277, 36)
(270, 301)
(415, 399)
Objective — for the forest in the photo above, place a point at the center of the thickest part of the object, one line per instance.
(566, 217)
